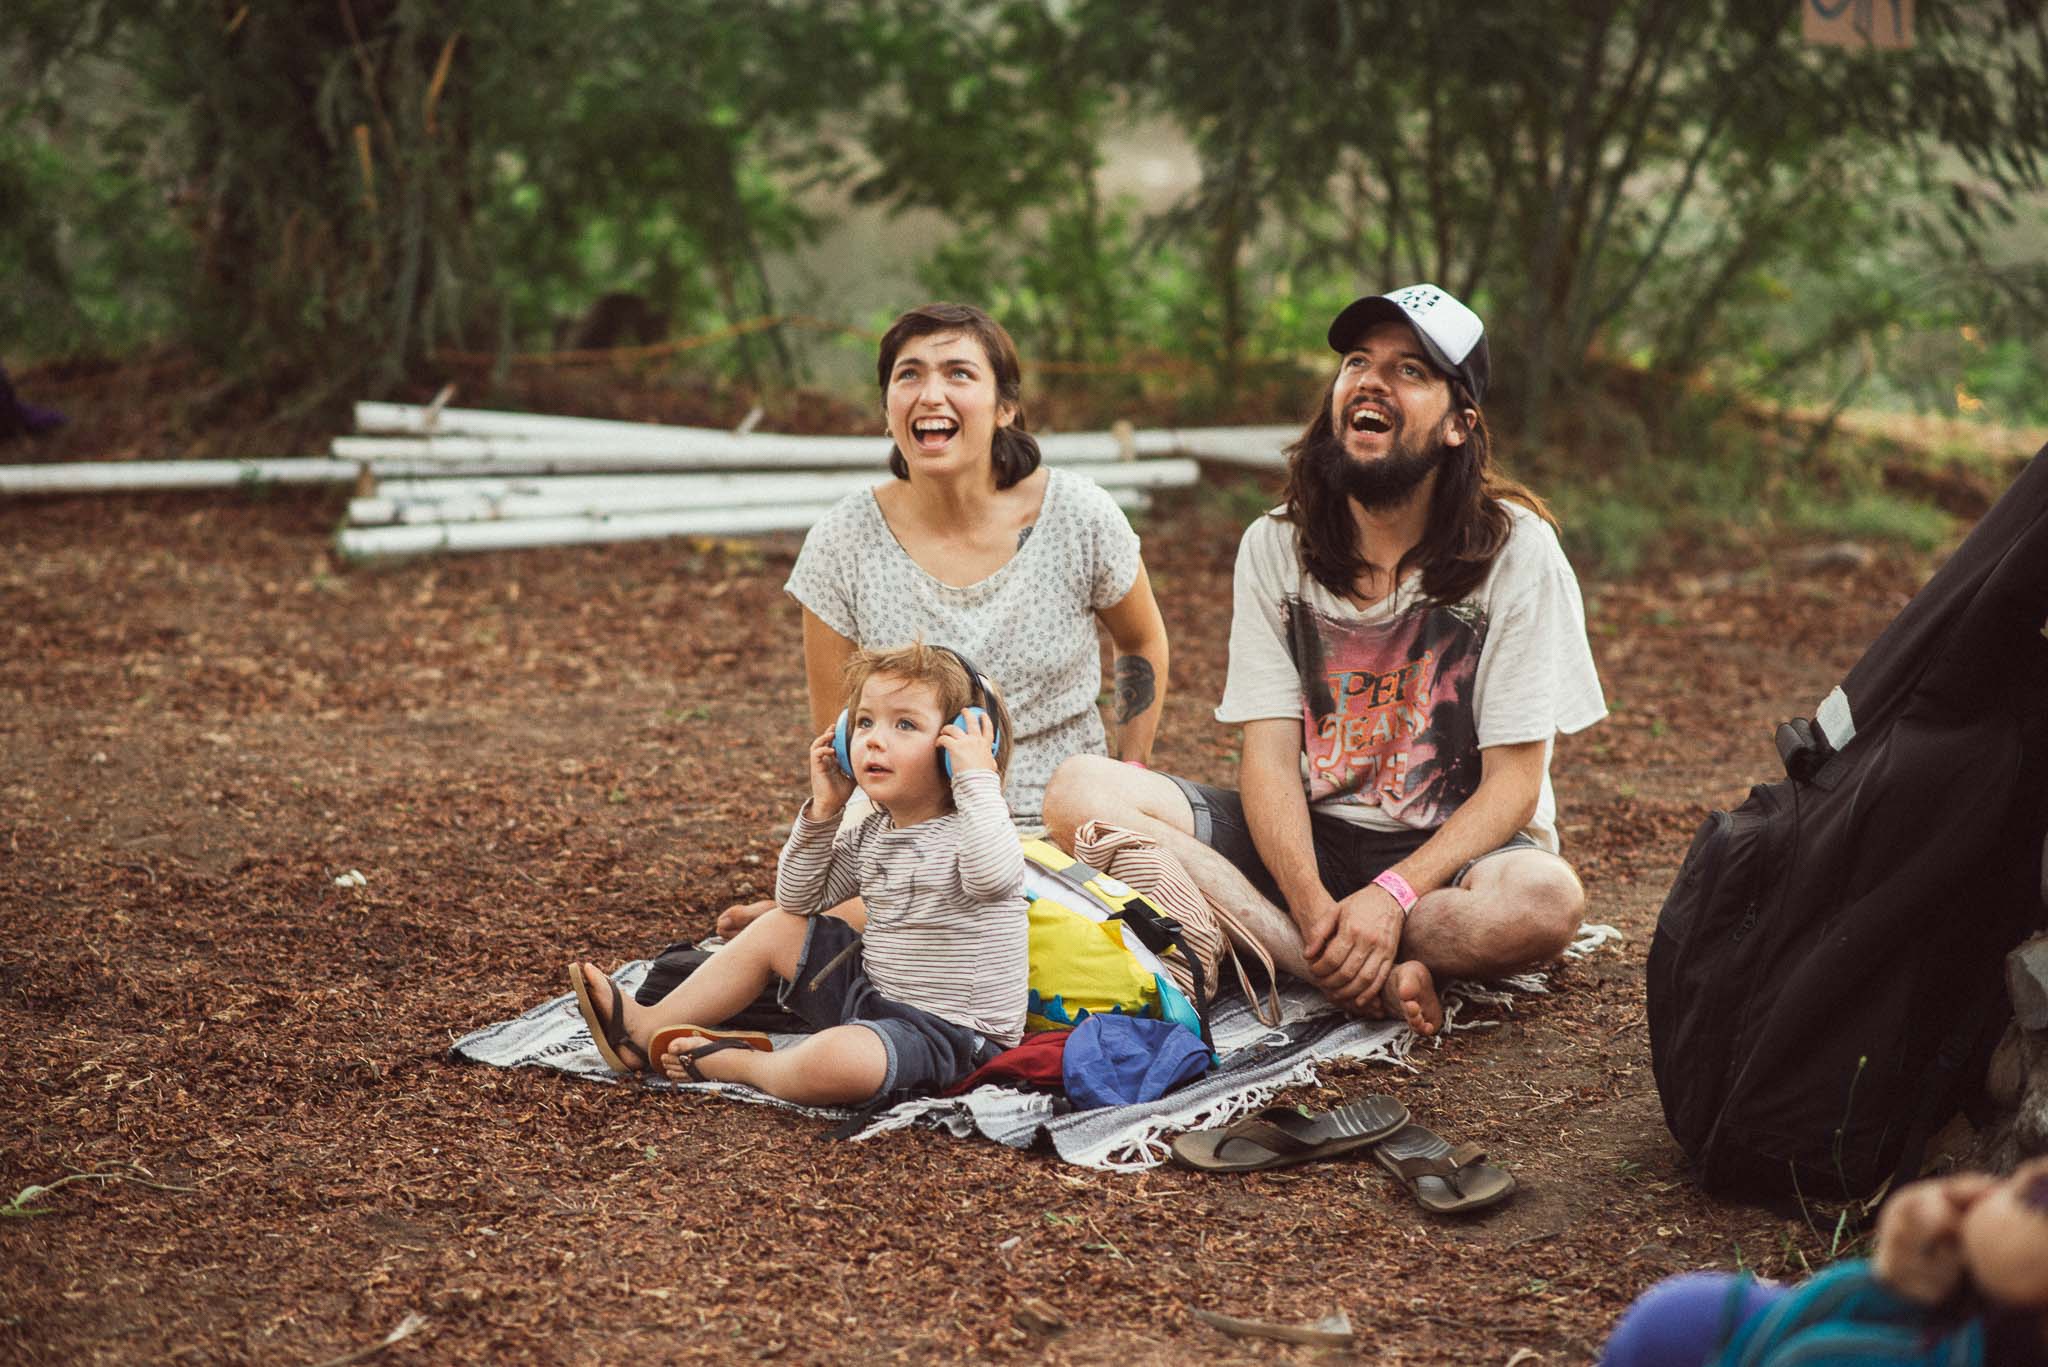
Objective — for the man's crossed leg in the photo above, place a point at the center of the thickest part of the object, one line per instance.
(1505, 912)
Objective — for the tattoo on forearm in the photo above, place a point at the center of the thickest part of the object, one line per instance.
(1134, 687)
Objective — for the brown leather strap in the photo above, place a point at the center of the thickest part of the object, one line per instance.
(615, 1021)
(1445, 1166)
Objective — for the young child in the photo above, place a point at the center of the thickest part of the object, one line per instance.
(936, 986)
(1959, 1277)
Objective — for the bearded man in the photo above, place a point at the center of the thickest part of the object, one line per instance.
(1406, 642)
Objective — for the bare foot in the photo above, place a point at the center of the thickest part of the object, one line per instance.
(603, 991)
(737, 918)
(1410, 995)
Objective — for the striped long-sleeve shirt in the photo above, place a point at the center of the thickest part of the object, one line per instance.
(947, 926)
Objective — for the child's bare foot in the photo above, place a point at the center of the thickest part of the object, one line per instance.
(698, 1058)
(598, 999)
(1410, 995)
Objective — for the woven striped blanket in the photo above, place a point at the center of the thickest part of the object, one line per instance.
(1255, 1062)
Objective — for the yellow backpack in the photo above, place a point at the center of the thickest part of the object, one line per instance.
(1096, 946)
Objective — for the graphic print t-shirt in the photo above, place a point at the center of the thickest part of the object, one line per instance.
(1397, 700)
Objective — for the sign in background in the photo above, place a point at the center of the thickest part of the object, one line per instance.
(1858, 23)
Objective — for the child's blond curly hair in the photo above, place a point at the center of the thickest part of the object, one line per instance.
(946, 672)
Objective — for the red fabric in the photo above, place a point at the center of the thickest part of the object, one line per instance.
(1034, 1063)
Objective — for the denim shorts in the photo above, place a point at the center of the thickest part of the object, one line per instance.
(926, 1053)
(1348, 856)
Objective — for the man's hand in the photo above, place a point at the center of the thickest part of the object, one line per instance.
(1350, 946)
(1919, 1254)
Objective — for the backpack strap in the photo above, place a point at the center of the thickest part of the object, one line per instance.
(1159, 933)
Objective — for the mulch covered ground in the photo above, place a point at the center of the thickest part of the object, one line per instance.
(545, 755)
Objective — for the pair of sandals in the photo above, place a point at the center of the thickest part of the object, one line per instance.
(1443, 1180)
(607, 1029)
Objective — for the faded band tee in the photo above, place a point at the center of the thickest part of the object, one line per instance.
(1396, 700)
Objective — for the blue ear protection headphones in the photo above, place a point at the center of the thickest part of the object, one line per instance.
(978, 706)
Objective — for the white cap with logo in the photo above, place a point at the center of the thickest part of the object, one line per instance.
(1451, 333)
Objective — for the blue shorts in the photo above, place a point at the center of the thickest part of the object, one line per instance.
(926, 1053)
(1348, 856)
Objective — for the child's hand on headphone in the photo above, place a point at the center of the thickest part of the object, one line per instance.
(973, 748)
(829, 787)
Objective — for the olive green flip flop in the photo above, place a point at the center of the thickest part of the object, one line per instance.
(1444, 1180)
(1279, 1137)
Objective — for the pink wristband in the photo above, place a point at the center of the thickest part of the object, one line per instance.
(1138, 764)
(1399, 888)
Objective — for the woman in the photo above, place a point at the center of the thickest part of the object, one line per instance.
(976, 545)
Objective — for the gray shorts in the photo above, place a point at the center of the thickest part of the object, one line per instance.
(926, 1053)
(1348, 856)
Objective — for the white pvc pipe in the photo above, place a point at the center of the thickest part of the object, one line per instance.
(365, 542)
(143, 476)
(111, 476)
(463, 500)
(1248, 445)
(1258, 447)
(412, 419)
(685, 448)
(453, 424)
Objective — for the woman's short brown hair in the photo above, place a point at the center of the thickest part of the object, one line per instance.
(1013, 451)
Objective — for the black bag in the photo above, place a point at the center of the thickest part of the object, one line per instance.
(1825, 979)
(683, 958)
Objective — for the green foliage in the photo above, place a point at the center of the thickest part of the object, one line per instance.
(1606, 530)
(1236, 503)
(1625, 177)
(1874, 516)
(2005, 376)
(359, 183)
(323, 194)
(86, 230)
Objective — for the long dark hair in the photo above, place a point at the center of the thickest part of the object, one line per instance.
(1013, 450)
(1467, 523)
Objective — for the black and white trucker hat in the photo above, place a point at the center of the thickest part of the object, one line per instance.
(1451, 333)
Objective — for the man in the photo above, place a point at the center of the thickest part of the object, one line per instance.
(1407, 639)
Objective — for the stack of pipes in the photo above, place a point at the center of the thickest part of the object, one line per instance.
(432, 478)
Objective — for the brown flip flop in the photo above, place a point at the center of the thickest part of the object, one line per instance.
(1279, 1137)
(657, 1048)
(1444, 1180)
(607, 1028)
